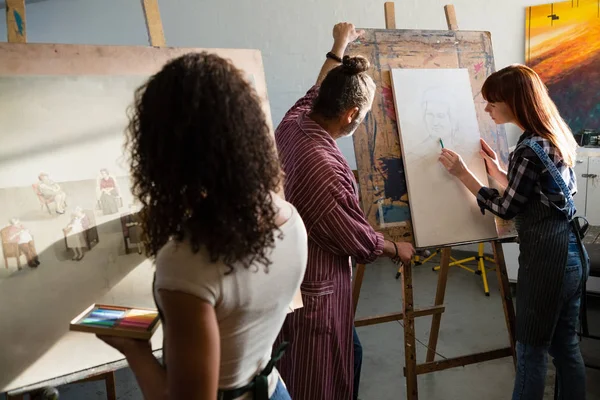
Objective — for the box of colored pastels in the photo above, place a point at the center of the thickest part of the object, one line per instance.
(135, 323)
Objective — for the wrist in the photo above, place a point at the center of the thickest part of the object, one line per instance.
(389, 250)
(136, 347)
(339, 48)
(464, 174)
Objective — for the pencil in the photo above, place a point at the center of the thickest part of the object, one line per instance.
(442, 143)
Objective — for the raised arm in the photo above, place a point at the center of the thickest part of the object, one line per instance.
(343, 34)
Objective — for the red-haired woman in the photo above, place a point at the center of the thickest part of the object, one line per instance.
(539, 186)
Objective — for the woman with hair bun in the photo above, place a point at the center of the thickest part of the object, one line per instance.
(324, 355)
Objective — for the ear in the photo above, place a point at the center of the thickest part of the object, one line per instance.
(350, 115)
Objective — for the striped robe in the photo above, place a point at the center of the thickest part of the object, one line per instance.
(318, 364)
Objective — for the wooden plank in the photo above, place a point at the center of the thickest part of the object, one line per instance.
(390, 15)
(505, 293)
(451, 17)
(462, 361)
(410, 352)
(398, 316)
(111, 387)
(439, 299)
(154, 23)
(379, 319)
(16, 29)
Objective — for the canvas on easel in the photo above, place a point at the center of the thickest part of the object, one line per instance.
(382, 178)
(70, 237)
(435, 108)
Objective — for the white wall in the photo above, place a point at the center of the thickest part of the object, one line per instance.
(292, 35)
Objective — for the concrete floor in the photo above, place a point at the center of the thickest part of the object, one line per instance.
(471, 323)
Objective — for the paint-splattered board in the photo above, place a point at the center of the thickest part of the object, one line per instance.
(376, 142)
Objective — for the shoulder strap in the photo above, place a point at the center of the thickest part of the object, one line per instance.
(543, 156)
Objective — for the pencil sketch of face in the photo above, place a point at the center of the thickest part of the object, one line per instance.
(438, 113)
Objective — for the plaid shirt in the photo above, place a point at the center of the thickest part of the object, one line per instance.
(528, 179)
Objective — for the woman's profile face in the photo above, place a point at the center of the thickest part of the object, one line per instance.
(500, 112)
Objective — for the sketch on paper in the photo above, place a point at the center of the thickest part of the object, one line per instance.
(441, 119)
(434, 104)
(562, 46)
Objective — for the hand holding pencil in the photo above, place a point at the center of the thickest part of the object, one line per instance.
(453, 162)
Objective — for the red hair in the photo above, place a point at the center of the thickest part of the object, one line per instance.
(525, 94)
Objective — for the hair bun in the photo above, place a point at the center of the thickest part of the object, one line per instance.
(355, 65)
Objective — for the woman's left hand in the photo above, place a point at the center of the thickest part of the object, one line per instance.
(453, 162)
(125, 345)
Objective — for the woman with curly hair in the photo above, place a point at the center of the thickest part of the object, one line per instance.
(230, 253)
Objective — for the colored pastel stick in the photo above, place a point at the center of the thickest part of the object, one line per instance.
(93, 321)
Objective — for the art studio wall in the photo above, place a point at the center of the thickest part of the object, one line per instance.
(293, 36)
(292, 51)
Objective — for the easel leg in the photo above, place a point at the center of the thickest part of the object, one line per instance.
(111, 389)
(439, 300)
(481, 262)
(509, 310)
(409, 334)
(360, 272)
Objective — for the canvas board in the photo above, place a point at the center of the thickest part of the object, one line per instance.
(381, 175)
(63, 115)
(434, 104)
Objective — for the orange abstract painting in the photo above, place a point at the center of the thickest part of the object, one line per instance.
(563, 47)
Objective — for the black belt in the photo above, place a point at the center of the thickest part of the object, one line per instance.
(260, 384)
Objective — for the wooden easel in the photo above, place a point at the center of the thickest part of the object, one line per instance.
(409, 312)
(17, 33)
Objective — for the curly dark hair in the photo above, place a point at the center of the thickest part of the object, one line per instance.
(203, 161)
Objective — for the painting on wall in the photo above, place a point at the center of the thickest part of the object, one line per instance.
(435, 108)
(562, 46)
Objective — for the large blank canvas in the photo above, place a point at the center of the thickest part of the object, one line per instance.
(434, 104)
